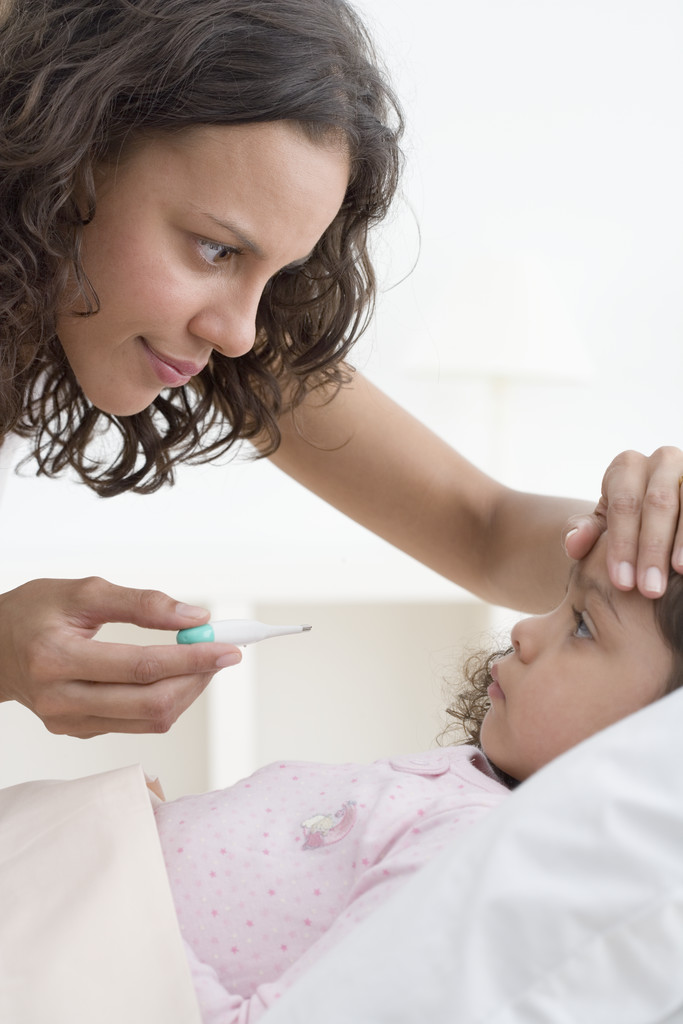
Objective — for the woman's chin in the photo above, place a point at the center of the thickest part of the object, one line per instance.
(113, 405)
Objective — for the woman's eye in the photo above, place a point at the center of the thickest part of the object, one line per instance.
(582, 631)
(216, 252)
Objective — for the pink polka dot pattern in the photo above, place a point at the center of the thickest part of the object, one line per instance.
(261, 871)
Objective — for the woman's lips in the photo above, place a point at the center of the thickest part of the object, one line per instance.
(494, 689)
(174, 373)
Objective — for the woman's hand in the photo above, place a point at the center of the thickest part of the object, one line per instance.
(640, 507)
(51, 663)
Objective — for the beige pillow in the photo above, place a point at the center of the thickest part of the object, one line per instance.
(88, 933)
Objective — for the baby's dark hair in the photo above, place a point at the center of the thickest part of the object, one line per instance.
(470, 701)
(82, 79)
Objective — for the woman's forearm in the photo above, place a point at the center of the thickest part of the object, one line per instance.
(379, 465)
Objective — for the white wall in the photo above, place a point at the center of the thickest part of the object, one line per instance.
(546, 152)
(540, 332)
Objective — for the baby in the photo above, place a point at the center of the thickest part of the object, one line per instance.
(270, 873)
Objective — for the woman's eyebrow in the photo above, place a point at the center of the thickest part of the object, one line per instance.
(242, 238)
(248, 243)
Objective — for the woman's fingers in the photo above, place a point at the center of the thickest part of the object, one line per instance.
(92, 709)
(119, 685)
(640, 507)
(677, 559)
(97, 662)
(51, 663)
(660, 522)
(581, 532)
(623, 491)
(642, 496)
(93, 601)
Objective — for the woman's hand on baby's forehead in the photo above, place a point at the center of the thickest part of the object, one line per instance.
(640, 507)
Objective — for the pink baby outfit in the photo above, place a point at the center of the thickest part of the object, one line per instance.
(268, 874)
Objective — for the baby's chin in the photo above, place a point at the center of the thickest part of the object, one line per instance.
(505, 776)
(507, 780)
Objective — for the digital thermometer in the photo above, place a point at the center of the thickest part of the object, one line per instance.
(235, 631)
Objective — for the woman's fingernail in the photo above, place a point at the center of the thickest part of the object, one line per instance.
(227, 660)
(677, 560)
(654, 584)
(625, 575)
(571, 534)
(191, 611)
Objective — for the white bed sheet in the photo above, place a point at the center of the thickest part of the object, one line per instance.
(563, 906)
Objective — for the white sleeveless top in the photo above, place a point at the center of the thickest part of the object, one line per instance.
(9, 454)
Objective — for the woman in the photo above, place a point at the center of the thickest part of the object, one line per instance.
(187, 188)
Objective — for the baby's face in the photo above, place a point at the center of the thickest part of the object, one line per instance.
(593, 660)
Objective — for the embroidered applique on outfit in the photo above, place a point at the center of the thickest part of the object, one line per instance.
(325, 829)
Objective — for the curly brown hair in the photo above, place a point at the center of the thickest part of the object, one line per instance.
(470, 701)
(80, 79)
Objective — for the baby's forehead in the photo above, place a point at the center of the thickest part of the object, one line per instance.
(592, 566)
(589, 575)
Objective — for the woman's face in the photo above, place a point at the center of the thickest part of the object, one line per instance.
(595, 659)
(188, 230)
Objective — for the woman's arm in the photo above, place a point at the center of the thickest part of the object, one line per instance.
(376, 463)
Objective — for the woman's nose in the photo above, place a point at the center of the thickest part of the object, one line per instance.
(230, 330)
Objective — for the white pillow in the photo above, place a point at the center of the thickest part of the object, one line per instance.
(563, 906)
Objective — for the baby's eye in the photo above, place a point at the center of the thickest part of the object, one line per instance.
(582, 631)
(216, 252)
